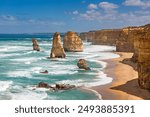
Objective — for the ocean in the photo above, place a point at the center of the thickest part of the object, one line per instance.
(20, 69)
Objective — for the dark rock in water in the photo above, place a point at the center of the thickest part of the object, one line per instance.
(43, 85)
(35, 45)
(82, 64)
(57, 50)
(64, 86)
(44, 72)
(56, 87)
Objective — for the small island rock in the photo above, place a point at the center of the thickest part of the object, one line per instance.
(35, 45)
(57, 50)
(82, 64)
(72, 42)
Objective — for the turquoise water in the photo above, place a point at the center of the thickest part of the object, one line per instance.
(20, 69)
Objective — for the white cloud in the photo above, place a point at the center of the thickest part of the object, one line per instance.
(75, 12)
(107, 5)
(92, 6)
(90, 15)
(140, 3)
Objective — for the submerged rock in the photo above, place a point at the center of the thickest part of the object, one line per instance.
(82, 64)
(72, 42)
(35, 45)
(57, 50)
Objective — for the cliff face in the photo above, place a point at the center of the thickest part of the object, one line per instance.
(89, 36)
(102, 37)
(72, 42)
(142, 44)
(122, 38)
(106, 37)
(126, 41)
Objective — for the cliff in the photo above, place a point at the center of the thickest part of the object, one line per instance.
(89, 36)
(142, 45)
(126, 41)
(102, 37)
(106, 37)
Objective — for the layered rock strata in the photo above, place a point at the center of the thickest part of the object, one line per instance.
(57, 50)
(142, 43)
(72, 42)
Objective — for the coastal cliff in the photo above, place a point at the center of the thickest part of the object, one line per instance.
(89, 36)
(102, 37)
(142, 44)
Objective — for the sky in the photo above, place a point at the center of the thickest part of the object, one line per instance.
(38, 16)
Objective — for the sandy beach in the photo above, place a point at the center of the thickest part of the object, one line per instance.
(125, 83)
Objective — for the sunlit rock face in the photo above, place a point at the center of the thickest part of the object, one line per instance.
(142, 43)
(72, 42)
(57, 50)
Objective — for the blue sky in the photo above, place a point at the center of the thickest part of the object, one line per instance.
(30, 16)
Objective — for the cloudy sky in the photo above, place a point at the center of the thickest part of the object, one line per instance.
(29, 16)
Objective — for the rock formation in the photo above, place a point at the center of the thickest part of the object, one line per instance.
(102, 37)
(106, 37)
(126, 41)
(72, 42)
(43, 85)
(35, 45)
(142, 42)
(56, 87)
(57, 50)
(88, 36)
(82, 64)
(64, 86)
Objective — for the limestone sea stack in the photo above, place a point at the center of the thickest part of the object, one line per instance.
(35, 45)
(57, 50)
(72, 42)
(82, 64)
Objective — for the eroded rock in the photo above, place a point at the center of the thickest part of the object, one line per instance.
(57, 50)
(35, 45)
(56, 87)
(82, 64)
(43, 85)
(72, 42)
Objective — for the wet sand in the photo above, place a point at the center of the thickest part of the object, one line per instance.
(125, 83)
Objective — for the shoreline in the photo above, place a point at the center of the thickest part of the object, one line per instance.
(125, 84)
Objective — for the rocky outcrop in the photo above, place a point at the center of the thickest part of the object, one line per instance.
(72, 42)
(82, 64)
(57, 50)
(43, 85)
(35, 45)
(56, 87)
(64, 86)
(142, 43)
